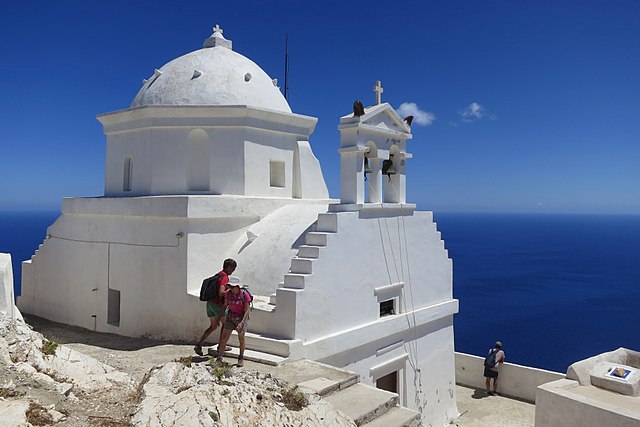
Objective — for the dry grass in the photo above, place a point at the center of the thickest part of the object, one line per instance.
(108, 422)
(186, 361)
(7, 392)
(294, 399)
(37, 415)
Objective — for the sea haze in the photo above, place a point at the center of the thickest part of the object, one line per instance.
(553, 288)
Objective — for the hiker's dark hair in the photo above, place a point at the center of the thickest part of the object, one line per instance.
(229, 263)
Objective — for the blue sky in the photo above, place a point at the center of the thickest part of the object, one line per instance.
(533, 105)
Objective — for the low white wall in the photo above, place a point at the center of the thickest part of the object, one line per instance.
(560, 404)
(514, 380)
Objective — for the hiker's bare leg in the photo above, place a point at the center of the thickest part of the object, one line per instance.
(487, 383)
(224, 337)
(214, 321)
(227, 348)
(495, 384)
(241, 340)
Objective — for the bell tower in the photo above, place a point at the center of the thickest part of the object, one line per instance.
(373, 156)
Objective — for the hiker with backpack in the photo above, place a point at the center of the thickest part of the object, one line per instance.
(214, 290)
(236, 316)
(492, 364)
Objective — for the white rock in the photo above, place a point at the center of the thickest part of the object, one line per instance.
(175, 393)
(12, 413)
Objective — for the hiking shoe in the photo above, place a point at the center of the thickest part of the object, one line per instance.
(219, 360)
(198, 349)
(240, 362)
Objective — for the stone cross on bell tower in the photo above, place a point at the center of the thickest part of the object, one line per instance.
(378, 90)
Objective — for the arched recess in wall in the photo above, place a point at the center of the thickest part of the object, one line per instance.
(296, 175)
(127, 173)
(372, 153)
(372, 190)
(391, 178)
(395, 150)
(198, 167)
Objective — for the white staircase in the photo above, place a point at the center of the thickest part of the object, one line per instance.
(365, 405)
(302, 263)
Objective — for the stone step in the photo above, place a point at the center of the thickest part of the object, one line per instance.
(316, 376)
(320, 386)
(294, 280)
(272, 298)
(315, 238)
(396, 417)
(328, 222)
(306, 251)
(363, 403)
(260, 343)
(251, 355)
(302, 265)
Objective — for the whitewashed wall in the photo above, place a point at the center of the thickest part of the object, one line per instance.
(353, 264)
(229, 145)
(156, 251)
(423, 358)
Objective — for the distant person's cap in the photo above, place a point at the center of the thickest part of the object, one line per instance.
(498, 344)
(234, 281)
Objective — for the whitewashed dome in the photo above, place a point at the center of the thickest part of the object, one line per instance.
(213, 75)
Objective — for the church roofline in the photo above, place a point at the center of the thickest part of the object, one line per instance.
(374, 129)
(207, 116)
(350, 120)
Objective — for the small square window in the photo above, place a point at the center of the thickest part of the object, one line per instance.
(276, 174)
(387, 308)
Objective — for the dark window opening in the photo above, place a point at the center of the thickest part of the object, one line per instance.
(389, 382)
(113, 307)
(387, 308)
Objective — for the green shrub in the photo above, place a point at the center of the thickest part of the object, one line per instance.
(49, 347)
(220, 369)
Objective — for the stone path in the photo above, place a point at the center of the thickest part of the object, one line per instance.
(477, 409)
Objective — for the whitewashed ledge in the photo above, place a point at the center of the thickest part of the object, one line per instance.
(516, 381)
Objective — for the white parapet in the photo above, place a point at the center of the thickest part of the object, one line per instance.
(7, 301)
(515, 380)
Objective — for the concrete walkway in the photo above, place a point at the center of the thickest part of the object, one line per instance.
(477, 409)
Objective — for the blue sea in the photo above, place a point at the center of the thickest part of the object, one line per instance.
(553, 288)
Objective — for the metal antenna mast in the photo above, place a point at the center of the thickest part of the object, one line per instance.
(286, 66)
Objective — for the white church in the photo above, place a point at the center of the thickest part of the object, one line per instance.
(209, 162)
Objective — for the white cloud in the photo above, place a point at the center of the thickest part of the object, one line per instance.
(423, 118)
(474, 112)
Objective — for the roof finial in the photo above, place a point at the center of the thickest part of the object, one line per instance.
(217, 39)
(378, 90)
